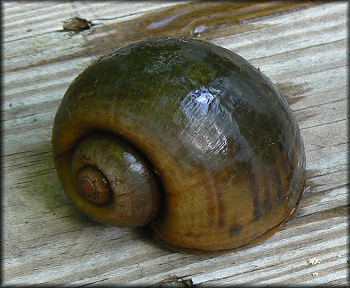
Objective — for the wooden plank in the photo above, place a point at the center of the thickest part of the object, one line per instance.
(299, 46)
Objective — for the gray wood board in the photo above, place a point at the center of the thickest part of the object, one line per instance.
(46, 240)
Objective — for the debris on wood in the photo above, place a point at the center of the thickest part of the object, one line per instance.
(314, 261)
(175, 282)
(76, 24)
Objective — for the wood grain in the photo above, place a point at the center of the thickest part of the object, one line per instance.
(47, 241)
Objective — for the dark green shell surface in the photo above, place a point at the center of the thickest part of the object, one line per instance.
(204, 117)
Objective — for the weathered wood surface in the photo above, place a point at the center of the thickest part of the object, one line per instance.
(46, 240)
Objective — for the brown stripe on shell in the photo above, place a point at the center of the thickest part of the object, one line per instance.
(283, 176)
(267, 199)
(285, 173)
(270, 191)
(255, 195)
(280, 173)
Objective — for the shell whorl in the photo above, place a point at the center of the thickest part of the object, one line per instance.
(106, 171)
(218, 134)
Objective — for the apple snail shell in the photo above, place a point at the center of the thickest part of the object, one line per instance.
(185, 135)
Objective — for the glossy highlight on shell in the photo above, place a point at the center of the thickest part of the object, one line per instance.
(184, 135)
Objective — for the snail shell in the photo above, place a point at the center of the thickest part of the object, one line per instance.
(185, 135)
